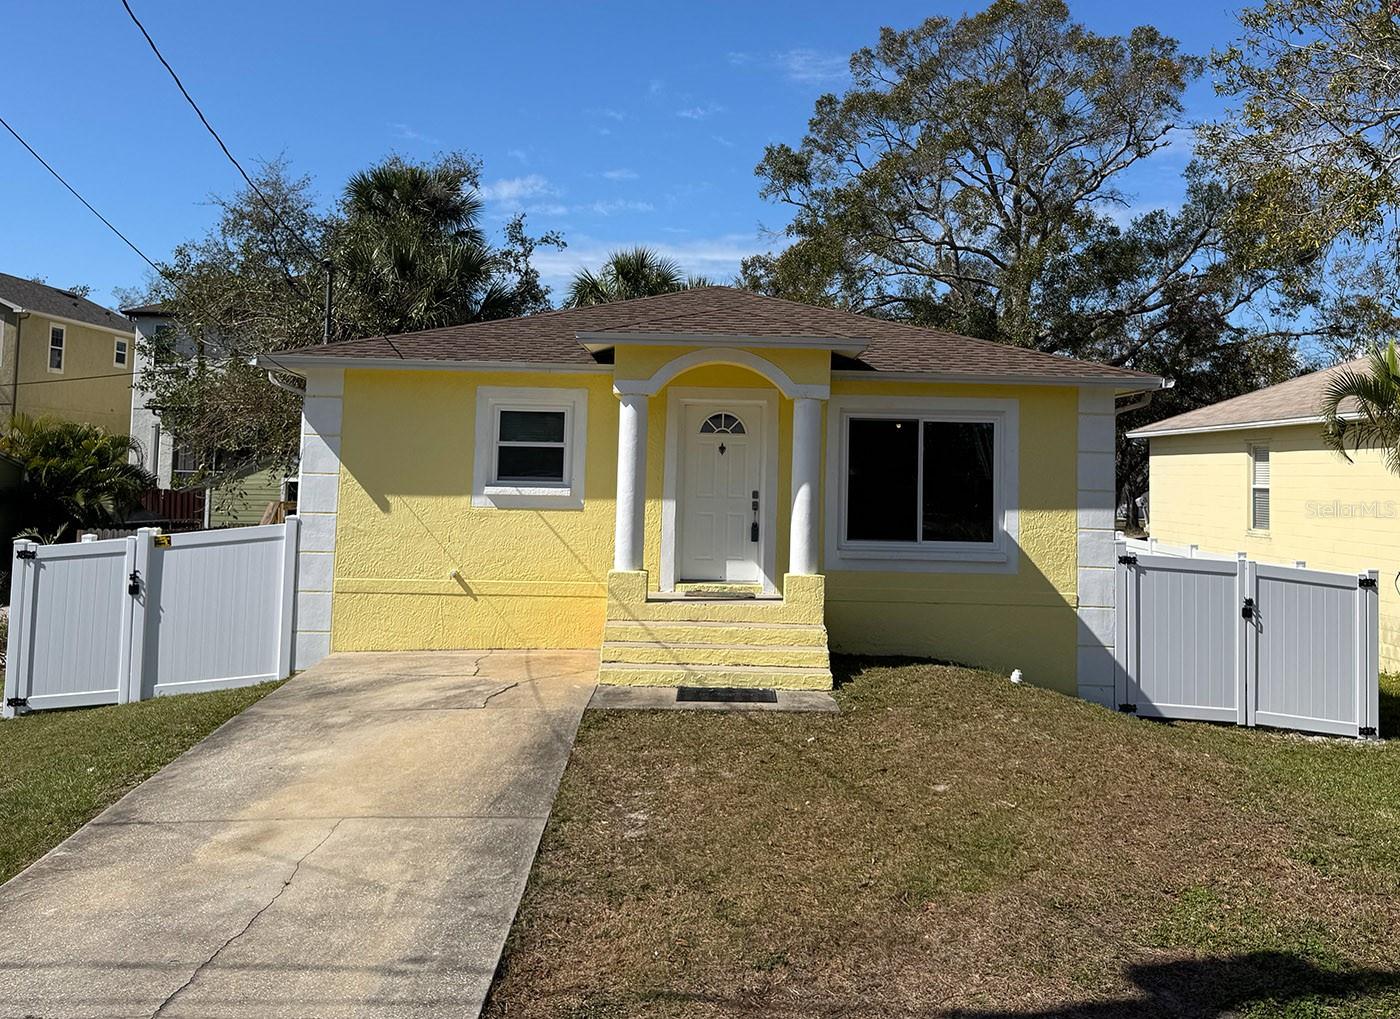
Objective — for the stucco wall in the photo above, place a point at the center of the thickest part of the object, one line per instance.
(1003, 621)
(104, 401)
(1329, 513)
(537, 577)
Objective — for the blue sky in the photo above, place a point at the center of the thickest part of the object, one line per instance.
(616, 123)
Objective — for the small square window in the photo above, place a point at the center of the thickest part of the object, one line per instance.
(57, 335)
(529, 448)
(119, 354)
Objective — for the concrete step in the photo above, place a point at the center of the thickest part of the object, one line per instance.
(726, 610)
(690, 654)
(749, 676)
(760, 634)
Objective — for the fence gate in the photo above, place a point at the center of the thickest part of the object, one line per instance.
(70, 639)
(123, 619)
(1237, 641)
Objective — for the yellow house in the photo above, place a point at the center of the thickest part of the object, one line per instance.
(1252, 475)
(63, 356)
(714, 488)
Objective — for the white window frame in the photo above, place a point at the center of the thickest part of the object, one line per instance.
(62, 348)
(487, 492)
(1000, 555)
(1254, 488)
(121, 346)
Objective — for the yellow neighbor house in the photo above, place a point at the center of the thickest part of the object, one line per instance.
(1252, 475)
(713, 488)
(63, 356)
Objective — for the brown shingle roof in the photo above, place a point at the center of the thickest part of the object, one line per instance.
(553, 338)
(1297, 400)
(43, 299)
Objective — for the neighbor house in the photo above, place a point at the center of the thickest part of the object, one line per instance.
(239, 503)
(1252, 475)
(63, 356)
(712, 487)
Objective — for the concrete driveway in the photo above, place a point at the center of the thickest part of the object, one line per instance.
(354, 844)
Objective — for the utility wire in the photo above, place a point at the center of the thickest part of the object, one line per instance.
(165, 274)
(210, 128)
(58, 177)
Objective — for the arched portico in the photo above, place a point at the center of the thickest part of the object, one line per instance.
(634, 396)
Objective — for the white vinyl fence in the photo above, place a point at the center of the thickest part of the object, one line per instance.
(1222, 640)
(124, 619)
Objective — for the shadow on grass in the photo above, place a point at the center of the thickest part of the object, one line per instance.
(846, 669)
(1211, 988)
(1390, 708)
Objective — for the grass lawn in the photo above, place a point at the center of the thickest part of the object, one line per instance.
(953, 845)
(59, 768)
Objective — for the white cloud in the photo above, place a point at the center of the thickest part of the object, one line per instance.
(518, 154)
(410, 133)
(620, 174)
(813, 67)
(611, 208)
(715, 257)
(723, 140)
(512, 190)
(700, 112)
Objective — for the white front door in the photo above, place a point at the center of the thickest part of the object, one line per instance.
(721, 467)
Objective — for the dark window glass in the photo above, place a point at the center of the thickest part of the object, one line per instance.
(957, 496)
(883, 480)
(532, 426)
(530, 463)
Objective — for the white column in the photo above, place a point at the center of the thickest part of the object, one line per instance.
(806, 476)
(631, 481)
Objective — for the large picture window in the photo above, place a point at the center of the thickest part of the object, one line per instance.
(529, 448)
(918, 480)
(922, 483)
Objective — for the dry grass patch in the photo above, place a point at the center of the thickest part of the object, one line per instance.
(951, 845)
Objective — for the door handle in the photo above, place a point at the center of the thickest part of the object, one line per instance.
(753, 528)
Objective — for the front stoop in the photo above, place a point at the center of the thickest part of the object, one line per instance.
(777, 643)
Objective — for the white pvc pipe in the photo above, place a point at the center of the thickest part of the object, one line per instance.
(806, 477)
(631, 481)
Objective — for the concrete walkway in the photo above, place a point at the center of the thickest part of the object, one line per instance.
(355, 844)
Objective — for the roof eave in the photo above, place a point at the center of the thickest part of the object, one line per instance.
(594, 341)
(1120, 386)
(292, 362)
(1233, 426)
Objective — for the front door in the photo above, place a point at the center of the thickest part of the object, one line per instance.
(719, 497)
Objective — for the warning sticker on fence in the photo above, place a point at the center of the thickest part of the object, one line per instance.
(162, 540)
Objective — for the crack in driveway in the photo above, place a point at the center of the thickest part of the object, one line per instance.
(286, 883)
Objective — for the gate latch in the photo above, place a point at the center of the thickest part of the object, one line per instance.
(133, 583)
(1247, 612)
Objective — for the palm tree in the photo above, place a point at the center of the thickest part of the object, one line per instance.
(411, 251)
(634, 272)
(74, 476)
(1361, 408)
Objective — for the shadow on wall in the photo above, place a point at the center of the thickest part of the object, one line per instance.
(1211, 988)
(1390, 706)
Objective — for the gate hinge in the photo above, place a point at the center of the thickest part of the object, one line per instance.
(1127, 559)
(1130, 709)
(1369, 583)
(1366, 730)
(16, 702)
(26, 553)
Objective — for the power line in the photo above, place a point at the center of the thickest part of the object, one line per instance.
(165, 274)
(210, 128)
(58, 177)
